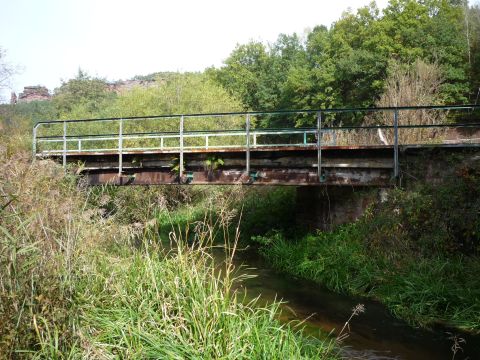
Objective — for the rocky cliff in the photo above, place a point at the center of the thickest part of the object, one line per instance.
(32, 93)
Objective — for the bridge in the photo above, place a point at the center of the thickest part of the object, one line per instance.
(304, 147)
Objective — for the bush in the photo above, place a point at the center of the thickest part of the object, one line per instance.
(430, 219)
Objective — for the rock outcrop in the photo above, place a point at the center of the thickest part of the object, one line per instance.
(33, 93)
(40, 93)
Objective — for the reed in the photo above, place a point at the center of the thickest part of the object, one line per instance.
(76, 283)
(180, 304)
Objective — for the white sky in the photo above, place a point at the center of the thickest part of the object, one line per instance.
(117, 39)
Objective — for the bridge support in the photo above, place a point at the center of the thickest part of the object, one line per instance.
(326, 207)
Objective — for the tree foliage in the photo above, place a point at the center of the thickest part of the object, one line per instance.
(83, 92)
(178, 94)
(473, 26)
(347, 65)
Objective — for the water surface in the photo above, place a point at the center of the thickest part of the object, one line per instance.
(375, 334)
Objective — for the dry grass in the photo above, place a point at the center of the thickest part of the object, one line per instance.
(44, 225)
(72, 285)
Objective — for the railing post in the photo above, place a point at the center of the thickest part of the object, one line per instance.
(79, 145)
(180, 165)
(395, 144)
(305, 138)
(161, 143)
(64, 145)
(247, 153)
(319, 146)
(120, 147)
(206, 141)
(34, 142)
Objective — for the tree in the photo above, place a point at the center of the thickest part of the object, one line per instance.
(6, 71)
(358, 51)
(82, 92)
(348, 64)
(411, 85)
(244, 75)
(268, 77)
(473, 23)
(185, 93)
(432, 30)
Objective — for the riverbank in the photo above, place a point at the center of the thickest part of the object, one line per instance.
(82, 274)
(78, 280)
(417, 253)
(375, 334)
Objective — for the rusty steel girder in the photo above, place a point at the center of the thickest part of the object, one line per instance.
(296, 177)
(297, 166)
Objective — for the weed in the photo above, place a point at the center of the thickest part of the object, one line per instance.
(456, 344)
(345, 331)
(213, 162)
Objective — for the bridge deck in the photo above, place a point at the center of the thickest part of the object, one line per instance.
(268, 165)
(341, 165)
(114, 151)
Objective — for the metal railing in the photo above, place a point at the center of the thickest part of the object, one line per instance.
(246, 138)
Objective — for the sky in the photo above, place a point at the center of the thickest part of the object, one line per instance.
(49, 40)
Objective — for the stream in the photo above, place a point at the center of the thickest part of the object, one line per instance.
(374, 334)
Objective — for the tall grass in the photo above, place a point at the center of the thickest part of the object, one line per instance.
(424, 290)
(148, 305)
(76, 283)
(417, 252)
(45, 225)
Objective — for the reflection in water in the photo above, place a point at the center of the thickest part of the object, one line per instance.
(375, 334)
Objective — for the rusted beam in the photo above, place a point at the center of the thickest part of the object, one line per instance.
(338, 177)
(291, 166)
(263, 148)
(290, 163)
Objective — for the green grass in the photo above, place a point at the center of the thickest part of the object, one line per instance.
(147, 305)
(238, 205)
(417, 252)
(83, 276)
(421, 290)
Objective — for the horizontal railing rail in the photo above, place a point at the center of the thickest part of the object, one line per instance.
(280, 112)
(280, 131)
(162, 136)
(62, 137)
